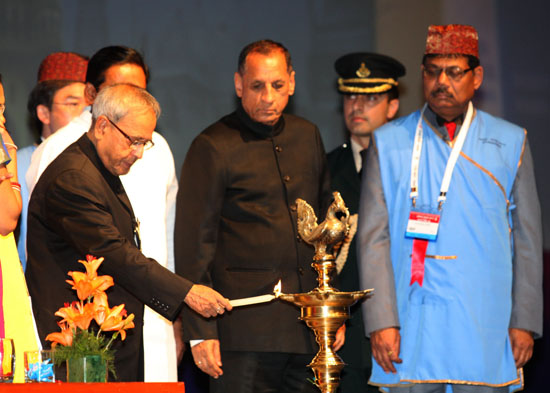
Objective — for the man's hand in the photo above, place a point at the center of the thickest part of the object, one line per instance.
(522, 345)
(206, 301)
(385, 348)
(207, 357)
(340, 338)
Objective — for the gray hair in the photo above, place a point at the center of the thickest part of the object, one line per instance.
(117, 100)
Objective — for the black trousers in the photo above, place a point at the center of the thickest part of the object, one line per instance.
(264, 372)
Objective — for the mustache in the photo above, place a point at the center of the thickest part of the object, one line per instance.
(441, 90)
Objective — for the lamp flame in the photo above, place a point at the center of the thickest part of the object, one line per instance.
(277, 289)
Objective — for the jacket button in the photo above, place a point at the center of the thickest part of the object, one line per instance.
(278, 149)
(293, 207)
(298, 238)
(301, 271)
(286, 178)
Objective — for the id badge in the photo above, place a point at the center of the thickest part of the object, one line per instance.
(422, 225)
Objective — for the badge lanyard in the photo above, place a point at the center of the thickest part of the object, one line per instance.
(451, 162)
(423, 226)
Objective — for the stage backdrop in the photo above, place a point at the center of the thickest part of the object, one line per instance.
(192, 46)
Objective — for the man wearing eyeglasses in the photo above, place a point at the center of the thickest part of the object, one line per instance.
(368, 83)
(151, 186)
(450, 236)
(153, 203)
(79, 206)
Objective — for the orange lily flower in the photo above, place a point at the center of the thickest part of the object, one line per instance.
(65, 337)
(101, 283)
(77, 314)
(128, 323)
(86, 286)
(114, 320)
(81, 284)
(92, 264)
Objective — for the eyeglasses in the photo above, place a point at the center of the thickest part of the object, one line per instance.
(134, 144)
(453, 72)
(2, 108)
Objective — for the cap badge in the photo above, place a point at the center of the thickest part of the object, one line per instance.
(362, 72)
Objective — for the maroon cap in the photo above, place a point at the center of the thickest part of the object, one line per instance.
(63, 66)
(452, 40)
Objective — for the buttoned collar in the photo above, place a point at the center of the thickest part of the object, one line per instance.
(90, 151)
(260, 129)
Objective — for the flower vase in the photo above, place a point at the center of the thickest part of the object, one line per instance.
(90, 368)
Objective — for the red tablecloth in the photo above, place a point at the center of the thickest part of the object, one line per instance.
(112, 387)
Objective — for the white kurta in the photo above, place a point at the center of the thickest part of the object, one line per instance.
(151, 186)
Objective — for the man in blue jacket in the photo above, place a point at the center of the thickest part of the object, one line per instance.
(450, 236)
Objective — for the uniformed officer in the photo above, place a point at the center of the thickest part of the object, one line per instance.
(369, 87)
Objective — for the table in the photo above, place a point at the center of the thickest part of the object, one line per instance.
(110, 387)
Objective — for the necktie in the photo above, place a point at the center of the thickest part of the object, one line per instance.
(451, 128)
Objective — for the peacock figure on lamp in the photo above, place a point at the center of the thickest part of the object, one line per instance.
(324, 236)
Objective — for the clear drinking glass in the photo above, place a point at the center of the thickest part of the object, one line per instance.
(39, 366)
(7, 360)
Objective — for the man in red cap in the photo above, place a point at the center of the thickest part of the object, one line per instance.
(57, 98)
(450, 236)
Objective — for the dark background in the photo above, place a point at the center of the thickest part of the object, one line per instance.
(192, 46)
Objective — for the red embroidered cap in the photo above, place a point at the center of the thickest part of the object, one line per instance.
(452, 40)
(63, 66)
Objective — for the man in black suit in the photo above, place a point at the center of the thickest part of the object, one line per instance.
(368, 82)
(236, 229)
(79, 207)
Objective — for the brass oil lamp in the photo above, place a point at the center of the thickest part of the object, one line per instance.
(324, 309)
